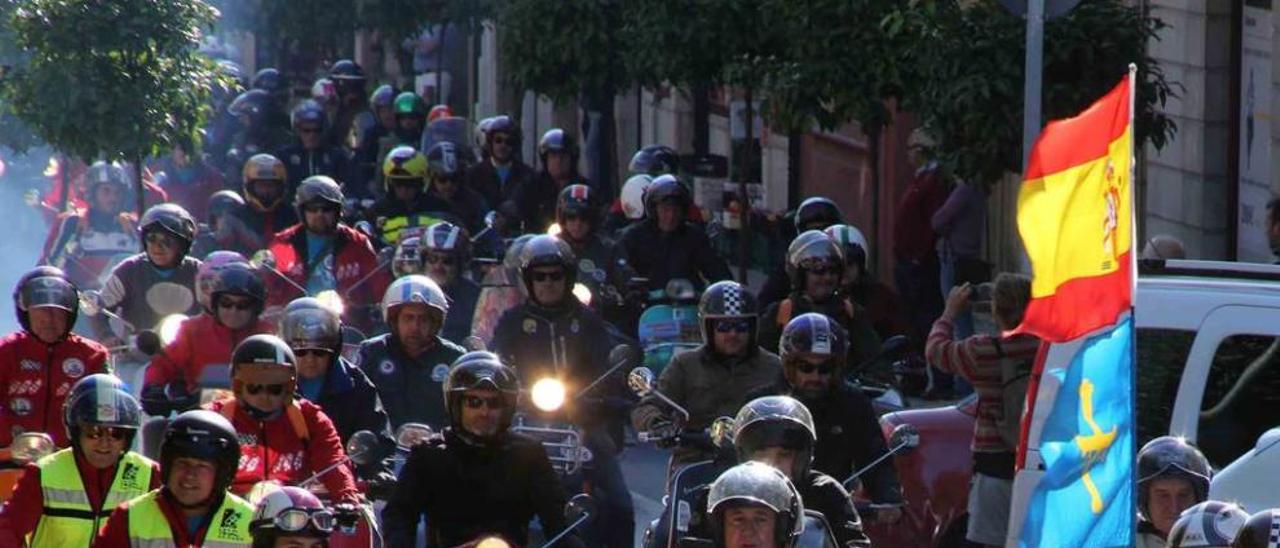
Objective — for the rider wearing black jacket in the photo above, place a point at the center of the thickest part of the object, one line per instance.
(478, 479)
(664, 246)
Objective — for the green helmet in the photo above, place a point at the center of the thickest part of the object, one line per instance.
(408, 103)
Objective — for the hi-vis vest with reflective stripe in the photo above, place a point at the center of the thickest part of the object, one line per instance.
(67, 519)
(148, 527)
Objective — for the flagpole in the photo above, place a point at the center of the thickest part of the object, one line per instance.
(1133, 280)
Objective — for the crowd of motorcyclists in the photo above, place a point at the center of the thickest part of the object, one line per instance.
(353, 266)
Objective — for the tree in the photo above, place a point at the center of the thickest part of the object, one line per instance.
(320, 30)
(14, 134)
(970, 60)
(117, 78)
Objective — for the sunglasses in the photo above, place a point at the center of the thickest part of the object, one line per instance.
(308, 130)
(500, 140)
(96, 432)
(235, 305)
(476, 402)
(825, 368)
(272, 389)
(321, 209)
(733, 326)
(545, 276)
(293, 520)
(440, 260)
(161, 240)
(825, 271)
(317, 352)
(574, 217)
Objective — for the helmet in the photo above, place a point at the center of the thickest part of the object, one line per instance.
(414, 288)
(776, 421)
(439, 111)
(224, 201)
(308, 112)
(206, 277)
(264, 350)
(170, 218)
(307, 325)
(238, 279)
(505, 125)
(41, 290)
(100, 403)
(348, 76)
(203, 435)
(727, 300)
(446, 237)
(269, 80)
(103, 173)
(812, 249)
(1171, 457)
(655, 160)
(633, 192)
(318, 188)
(1210, 524)
(404, 163)
(546, 250)
(324, 92)
(852, 243)
(37, 272)
(511, 260)
(445, 161)
(90, 383)
(576, 200)
(812, 334)
(382, 97)
(254, 103)
(817, 210)
(290, 511)
(1259, 530)
(482, 135)
(664, 188)
(756, 484)
(473, 371)
(409, 104)
(263, 167)
(556, 140)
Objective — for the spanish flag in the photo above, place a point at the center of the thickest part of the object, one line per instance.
(1074, 215)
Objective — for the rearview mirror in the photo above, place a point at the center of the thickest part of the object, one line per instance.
(490, 218)
(895, 344)
(148, 342)
(473, 343)
(365, 228)
(90, 302)
(30, 447)
(721, 431)
(412, 433)
(905, 435)
(264, 258)
(623, 355)
(360, 447)
(680, 289)
(581, 505)
(640, 380)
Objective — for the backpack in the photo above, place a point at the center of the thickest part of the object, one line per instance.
(1015, 376)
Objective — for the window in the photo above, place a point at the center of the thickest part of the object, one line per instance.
(1241, 397)
(1162, 354)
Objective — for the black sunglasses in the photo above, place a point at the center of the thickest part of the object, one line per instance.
(727, 326)
(317, 352)
(807, 368)
(95, 432)
(476, 402)
(321, 209)
(237, 305)
(544, 276)
(255, 389)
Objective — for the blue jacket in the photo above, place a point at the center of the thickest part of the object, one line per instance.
(412, 389)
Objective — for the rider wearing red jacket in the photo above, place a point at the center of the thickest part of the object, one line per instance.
(281, 438)
(39, 364)
(208, 339)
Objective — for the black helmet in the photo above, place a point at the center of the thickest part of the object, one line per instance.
(556, 140)
(308, 324)
(100, 403)
(172, 219)
(383, 97)
(815, 335)
(39, 288)
(269, 80)
(1259, 530)
(817, 210)
(655, 160)
(238, 279)
(505, 125)
(1171, 457)
(576, 200)
(664, 188)
(224, 201)
(445, 161)
(546, 250)
(38, 272)
(254, 103)
(266, 350)
(852, 243)
(1210, 524)
(346, 69)
(757, 484)
(812, 249)
(308, 112)
(476, 370)
(727, 300)
(776, 421)
(202, 435)
(318, 188)
(448, 238)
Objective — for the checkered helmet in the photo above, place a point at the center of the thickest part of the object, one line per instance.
(1261, 531)
(727, 300)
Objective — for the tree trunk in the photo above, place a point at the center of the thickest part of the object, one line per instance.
(65, 181)
(701, 119)
(139, 189)
(874, 137)
(440, 62)
(744, 197)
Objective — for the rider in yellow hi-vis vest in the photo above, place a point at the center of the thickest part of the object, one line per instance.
(63, 498)
(199, 457)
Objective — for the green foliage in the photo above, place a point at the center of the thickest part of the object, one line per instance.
(319, 27)
(559, 49)
(118, 77)
(970, 61)
(399, 19)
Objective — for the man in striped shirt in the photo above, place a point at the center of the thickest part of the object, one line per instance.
(989, 362)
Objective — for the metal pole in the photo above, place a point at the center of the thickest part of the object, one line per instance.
(1032, 83)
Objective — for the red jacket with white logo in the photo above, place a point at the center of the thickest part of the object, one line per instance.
(277, 450)
(201, 341)
(351, 260)
(35, 378)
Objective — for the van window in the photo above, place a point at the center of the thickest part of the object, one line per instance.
(1241, 397)
(1162, 354)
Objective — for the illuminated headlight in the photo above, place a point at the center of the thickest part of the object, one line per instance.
(169, 328)
(583, 293)
(548, 394)
(554, 229)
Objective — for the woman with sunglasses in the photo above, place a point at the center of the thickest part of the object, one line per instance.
(160, 281)
(814, 351)
(282, 438)
(87, 479)
(291, 517)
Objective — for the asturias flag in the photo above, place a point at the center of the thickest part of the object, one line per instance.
(1074, 218)
(1085, 496)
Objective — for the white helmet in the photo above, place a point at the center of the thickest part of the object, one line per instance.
(633, 195)
(414, 288)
